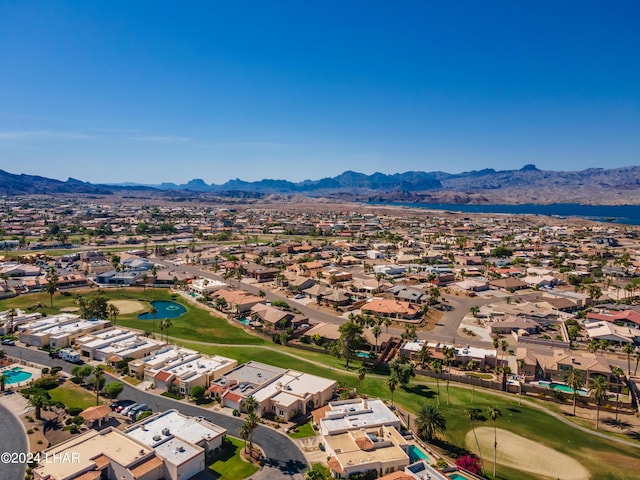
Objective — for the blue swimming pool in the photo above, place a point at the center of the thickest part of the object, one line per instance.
(562, 388)
(15, 375)
(415, 454)
(457, 476)
(361, 354)
(245, 321)
(164, 309)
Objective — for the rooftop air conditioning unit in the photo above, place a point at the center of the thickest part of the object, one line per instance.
(166, 432)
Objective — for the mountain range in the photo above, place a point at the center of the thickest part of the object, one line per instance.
(526, 185)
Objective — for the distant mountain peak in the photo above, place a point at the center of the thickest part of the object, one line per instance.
(529, 167)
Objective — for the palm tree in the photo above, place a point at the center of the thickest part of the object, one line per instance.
(39, 401)
(376, 331)
(387, 322)
(628, 349)
(113, 312)
(494, 414)
(392, 383)
(473, 414)
(436, 367)
(11, 314)
(165, 325)
(635, 371)
(250, 404)
(244, 434)
(52, 283)
(252, 421)
(424, 355)
(619, 373)
(449, 354)
(362, 372)
(98, 378)
(598, 392)
(574, 380)
(474, 310)
(429, 422)
(3, 381)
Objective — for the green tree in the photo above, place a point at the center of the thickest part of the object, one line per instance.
(424, 355)
(3, 382)
(628, 350)
(52, 283)
(429, 422)
(98, 380)
(392, 383)
(473, 414)
(436, 367)
(376, 331)
(598, 393)
(250, 404)
(113, 312)
(494, 414)
(402, 369)
(197, 393)
(350, 340)
(618, 373)
(362, 373)
(39, 400)
(474, 310)
(244, 433)
(574, 380)
(113, 389)
(252, 421)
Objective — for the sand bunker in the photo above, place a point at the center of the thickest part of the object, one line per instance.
(128, 306)
(526, 455)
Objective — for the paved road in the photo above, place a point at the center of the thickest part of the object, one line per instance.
(284, 458)
(13, 439)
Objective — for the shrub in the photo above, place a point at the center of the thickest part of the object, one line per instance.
(74, 411)
(46, 383)
(55, 370)
(78, 420)
(45, 371)
(469, 463)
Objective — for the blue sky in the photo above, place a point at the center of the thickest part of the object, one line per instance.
(151, 91)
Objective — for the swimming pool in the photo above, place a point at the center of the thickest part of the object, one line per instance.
(561, 387)
(457, 476)
(245, 321)
(164, 309)
(363, 354)
(15, 375)
(415, 454)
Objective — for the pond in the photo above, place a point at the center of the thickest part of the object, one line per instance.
(164, 309)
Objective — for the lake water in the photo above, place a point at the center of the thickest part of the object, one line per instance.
(626, 214)
(164, 309)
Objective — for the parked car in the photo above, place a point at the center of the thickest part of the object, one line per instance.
(299, 296)
(137, 409)
(8, 341)
(121, 404)
(125, 411)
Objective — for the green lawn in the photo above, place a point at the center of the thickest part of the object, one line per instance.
(305, 430)
(73, 395)
(605, 459)
(228, 465)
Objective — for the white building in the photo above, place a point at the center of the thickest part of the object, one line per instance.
(182, 367)
(115, 344)
(361, 435)
(58, 330)
(206, 286)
